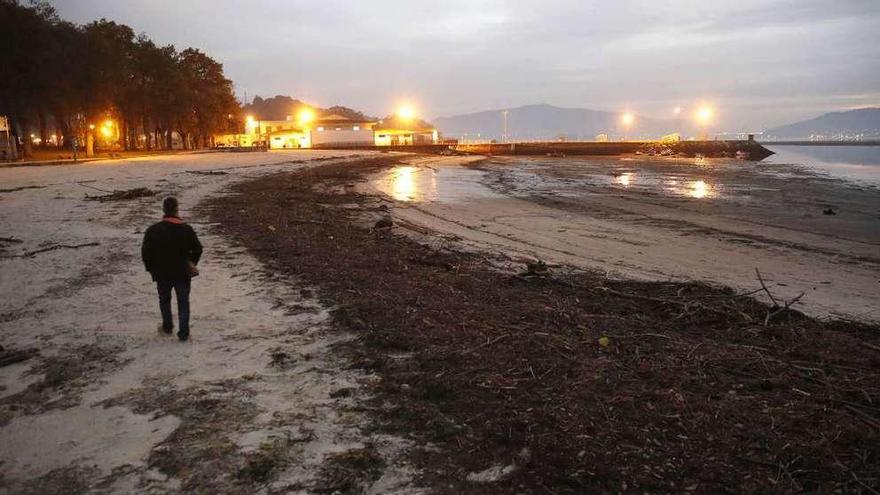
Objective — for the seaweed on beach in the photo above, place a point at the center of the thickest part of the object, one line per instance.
(554, 380)
(138, 192)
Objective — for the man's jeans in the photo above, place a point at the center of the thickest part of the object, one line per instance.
(181, 288)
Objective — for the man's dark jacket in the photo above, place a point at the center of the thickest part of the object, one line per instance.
(168, 245)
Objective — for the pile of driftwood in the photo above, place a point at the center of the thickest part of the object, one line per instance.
(138, 192)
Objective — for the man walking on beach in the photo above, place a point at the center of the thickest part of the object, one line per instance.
(170, 252)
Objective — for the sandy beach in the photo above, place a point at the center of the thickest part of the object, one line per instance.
(661, 219)
(109, 405)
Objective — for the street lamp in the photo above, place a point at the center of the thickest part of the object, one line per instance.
(627, 120)
(305, 116)
(406, 112)
(704, 118)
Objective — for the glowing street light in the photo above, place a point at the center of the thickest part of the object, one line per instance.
(704, 118)
(305, 116)
(406, 112)
(627, 120)
(704, 115)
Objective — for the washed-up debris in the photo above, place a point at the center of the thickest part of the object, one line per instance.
(138, 192)
(53, 247)
(207, 172)
(384, 223)
(536, 269)
(829, 211)
(349, 471)
(436, 259)
(281, 359)
(22, 188)
(12, 356)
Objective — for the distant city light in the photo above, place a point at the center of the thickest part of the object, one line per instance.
(406, 112)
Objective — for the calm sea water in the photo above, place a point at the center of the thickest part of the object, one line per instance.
(857, 163)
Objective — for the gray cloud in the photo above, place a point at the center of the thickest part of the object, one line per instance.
(761, 62)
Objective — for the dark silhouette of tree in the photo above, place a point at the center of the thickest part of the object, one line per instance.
(58, 76)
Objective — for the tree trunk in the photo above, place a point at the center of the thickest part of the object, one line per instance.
(148, 142)
(123, 133)
(65, 133)
(26, 149)
(44, 136)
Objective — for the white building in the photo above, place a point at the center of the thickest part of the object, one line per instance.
(397, 131)
(327, 131)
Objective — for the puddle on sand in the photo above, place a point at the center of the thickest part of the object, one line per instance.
(425, 184)
(676, 185)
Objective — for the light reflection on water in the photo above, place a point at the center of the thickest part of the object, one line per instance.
(415, 184)
(678, 185)
(410, 184)
(700, 189)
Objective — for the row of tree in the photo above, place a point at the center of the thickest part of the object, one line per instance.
(60, 78)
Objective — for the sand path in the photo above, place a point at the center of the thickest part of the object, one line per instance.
(109, 402)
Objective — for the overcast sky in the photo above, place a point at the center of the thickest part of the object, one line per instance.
(759, 62)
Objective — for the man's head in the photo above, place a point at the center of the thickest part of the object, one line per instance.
(169, 206)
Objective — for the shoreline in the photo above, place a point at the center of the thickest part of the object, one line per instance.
(594, 214)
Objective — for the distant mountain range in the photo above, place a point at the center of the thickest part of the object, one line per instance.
(850, 124)
(549, 122)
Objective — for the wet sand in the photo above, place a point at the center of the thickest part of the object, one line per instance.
(661, 219)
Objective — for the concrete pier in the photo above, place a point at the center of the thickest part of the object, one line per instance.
(752, 149)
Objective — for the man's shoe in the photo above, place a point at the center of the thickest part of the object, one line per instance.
(183, 338)
(165, 331)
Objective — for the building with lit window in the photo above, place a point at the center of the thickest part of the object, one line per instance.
(400, 131)
(306, 130)
(338, 131)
